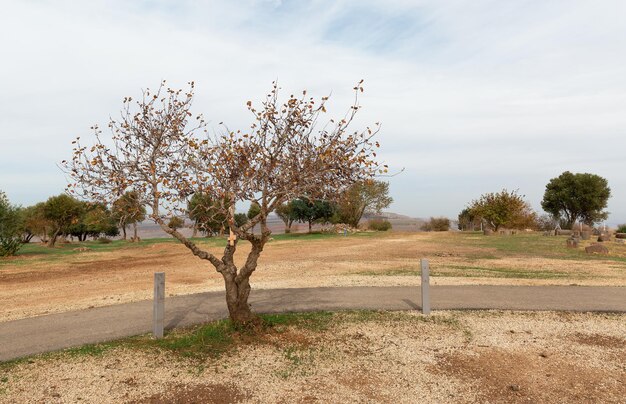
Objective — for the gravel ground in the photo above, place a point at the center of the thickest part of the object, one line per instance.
(488, 356)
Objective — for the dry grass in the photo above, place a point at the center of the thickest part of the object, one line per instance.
(34, 285)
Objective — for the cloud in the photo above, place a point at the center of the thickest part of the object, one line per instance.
(473, 96)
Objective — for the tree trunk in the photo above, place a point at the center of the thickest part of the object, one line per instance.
(135, 238)
(124, 231)
(195, 231)
(237, 300)
(53, 239)
(310, 225)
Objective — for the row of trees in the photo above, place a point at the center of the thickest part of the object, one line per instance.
(362, 197)
(569, 198)
(65, 216)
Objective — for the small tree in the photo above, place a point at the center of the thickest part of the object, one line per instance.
(286, 214)
(207, 214)
(128, 210)
(468, 220)
(175, 223)
(156, 152)
(503, 209)
(363, 197)
(577, 197)
(62, 212)
(10, 237)
(34, 223)
(312, 211)
(437, 224)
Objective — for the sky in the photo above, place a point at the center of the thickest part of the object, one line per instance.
(473, 96)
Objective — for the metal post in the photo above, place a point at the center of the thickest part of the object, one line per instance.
(158, 313)
(425, 286)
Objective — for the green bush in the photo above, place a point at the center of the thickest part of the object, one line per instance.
(379, 225)
(9, 246)
(621, 228)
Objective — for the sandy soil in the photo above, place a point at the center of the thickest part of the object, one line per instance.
(465, 357)
(91, 279)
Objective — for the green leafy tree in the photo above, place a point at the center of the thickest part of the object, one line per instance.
(580, 196)
(207, 214)
(34, 223)
(128, 210)
(176, 223)
(504, 209)
(10, 224)
(312, 211)
(62, 212)
(363, 197)
(468, 220)
(241, 219)
(286, 214)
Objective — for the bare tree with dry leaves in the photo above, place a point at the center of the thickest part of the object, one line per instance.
(162, 152)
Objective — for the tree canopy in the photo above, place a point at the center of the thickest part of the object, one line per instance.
(310, 211)
(363, 197)
(161, 150)
(580, 196)
(503, 209)
(10, 223)
(61, 211)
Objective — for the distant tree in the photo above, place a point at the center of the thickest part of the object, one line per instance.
(577, 197)
(286, 214)
(34, 223)
(129, 210)
(207, 214)
(621, 228)
(437, 224)
(156, 150)
(95, 220)
(503, 209)
(62, 212)
(10, 233)
(363, 197)
(379, 224)
(175, 223)
(312, 211)
(241, 219)
(468, 220)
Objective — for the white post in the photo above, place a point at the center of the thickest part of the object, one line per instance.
(158, 312)
(425, 287)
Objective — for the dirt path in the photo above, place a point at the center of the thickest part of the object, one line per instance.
(95, 279)
(46, 333)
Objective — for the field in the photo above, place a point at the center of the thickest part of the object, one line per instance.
(83, 275)
(360, 356)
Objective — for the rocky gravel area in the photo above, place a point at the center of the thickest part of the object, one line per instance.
(466, 357)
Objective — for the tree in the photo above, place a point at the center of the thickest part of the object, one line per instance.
(241, 219)
(95, 219)
(10, 233)
(175, 223)
(468, 220)
(363, 197)
(207, 214)
(312, 211)
(155, 151)
(504, 208)
(34, 223)
(285, 212)
(62, 212)
(580, 196)
(128, 209)
(437, 224)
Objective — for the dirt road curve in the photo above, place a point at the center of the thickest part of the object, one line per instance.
(52, 332)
